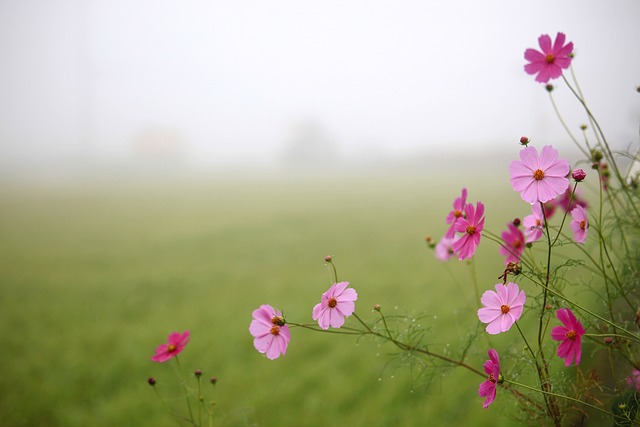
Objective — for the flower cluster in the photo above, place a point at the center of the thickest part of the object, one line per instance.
(466, 220)
(270, 330)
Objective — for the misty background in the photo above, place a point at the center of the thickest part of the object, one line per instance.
(261, 86)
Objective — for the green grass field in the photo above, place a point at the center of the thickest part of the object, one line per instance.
(94, 276)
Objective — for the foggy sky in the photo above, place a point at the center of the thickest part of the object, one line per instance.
(213, 82)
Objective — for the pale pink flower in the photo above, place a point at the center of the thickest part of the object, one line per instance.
(579, 224)
(444, 248)
(488, 388)
(514, 244)
(336, 304)
(471, 225)
(570, 334)
(634, 379)
(176, 343)
(270, 332)
(539, 179)
(551, 60)
(457, 212)
(502, 308)
(533, 224)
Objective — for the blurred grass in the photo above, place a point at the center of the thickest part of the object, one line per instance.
(94, 276)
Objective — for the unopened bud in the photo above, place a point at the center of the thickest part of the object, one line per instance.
(608, 340)
(548, 306)
(549, 88)
(328, 258)
(516, 222)
(198, 373)
(377, 307)
(596, 155)
(151, 381)
(583, 127)
(579, 175)
(524, 140)
(213, 380)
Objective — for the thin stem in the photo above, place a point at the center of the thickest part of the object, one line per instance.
(549, 393)
(186, 390)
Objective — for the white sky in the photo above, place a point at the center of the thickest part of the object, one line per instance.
(83, 79)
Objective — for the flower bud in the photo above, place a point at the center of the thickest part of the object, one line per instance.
(596, 155)
(524, 140)
(328, 258)
(377, 307)
(579, 175)
(548, 306)
(583, 127)
(198, 373)
(213, 380)
(151, 381)
(608, 340)
(516, 222)
(549, 88)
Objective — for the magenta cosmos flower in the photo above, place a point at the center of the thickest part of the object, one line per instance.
(514, 244)
(568, 201)
(634, 379)
(177, 343)
(533, 224)
(471, 226)
(453, 216)
(336, 304)
(270, 332)
(539, 179)
(488, 388)
(579, 224)
(549, 62)
(570, 334)
(502, 308)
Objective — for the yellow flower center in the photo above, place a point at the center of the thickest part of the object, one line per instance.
(550, 58)
(571, 335)
(583, 224)
(492, 379)
(471, 229)
(457, 213)
(504, 309)
(332, 303)
(171, 348)
(538, 175)
(275, 330)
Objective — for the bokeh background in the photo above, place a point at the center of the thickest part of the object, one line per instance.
(172, 165)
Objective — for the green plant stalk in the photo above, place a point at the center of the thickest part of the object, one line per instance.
(562, 396)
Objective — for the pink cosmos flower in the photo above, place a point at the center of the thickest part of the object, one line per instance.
(471, 225)
(579, 224)
(550, 62)
(444, 248)
(570, 334)
(458, 209)
(539, 179)
(634, 379)
(270, 332)
(501, 308)
(488, 388)
(514, 244)
(177, 343)
(336, 304)
(533, 224)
